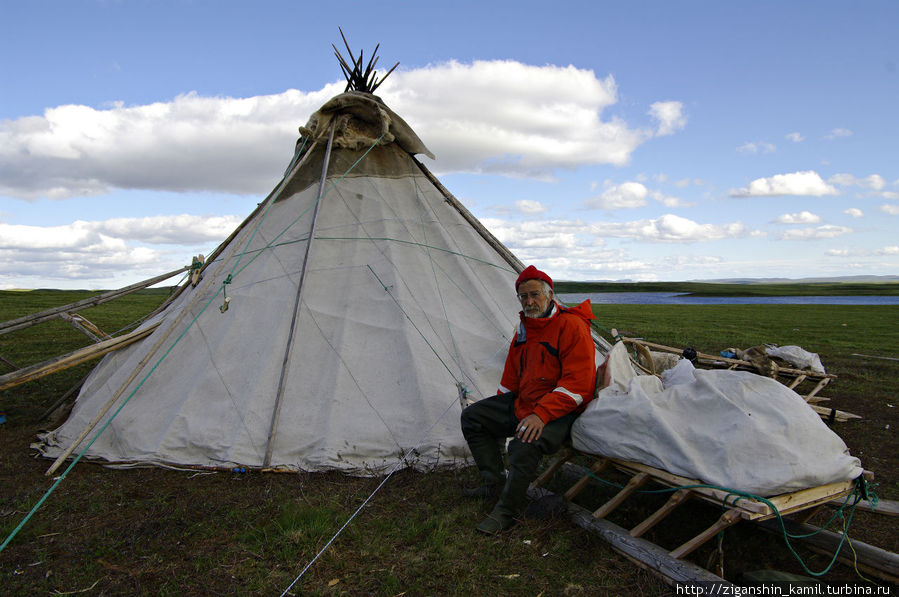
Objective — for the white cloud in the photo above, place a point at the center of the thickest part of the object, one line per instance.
(488, 116)
(889, 208)
(191, 143)
(529, 207)
(838, 133)
(854, 212)
(627, 195)
(511, 118)
(757, 147)
(818, 232)
(670, 116)
(99, 251)
(890, 250)
(797, 183)
(875, 182)
(804, 217)
(837, 252)
(795, 137)
(671, 228)
(669, 201)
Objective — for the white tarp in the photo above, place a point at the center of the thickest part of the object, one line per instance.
(733, 429)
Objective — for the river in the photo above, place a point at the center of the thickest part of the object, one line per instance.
(676, 298)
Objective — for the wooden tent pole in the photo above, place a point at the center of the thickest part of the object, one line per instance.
(200, 292)
(71, 359)
(491, 240)
(29, 320)
(494, 242)
(288, 351)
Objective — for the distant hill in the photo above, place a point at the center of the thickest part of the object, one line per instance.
(832, 280)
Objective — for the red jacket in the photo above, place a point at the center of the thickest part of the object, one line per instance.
(550, 366)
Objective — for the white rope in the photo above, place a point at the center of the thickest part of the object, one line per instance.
(369, 498)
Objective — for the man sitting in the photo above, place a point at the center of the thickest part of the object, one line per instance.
(548, 379)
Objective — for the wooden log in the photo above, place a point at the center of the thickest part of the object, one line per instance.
(73, 358)
(872, 560)
(29, 320)
(645, 554)
(884, 507)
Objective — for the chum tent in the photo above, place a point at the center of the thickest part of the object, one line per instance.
(341, 325)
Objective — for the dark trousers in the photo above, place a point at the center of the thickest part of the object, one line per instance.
(486, 424)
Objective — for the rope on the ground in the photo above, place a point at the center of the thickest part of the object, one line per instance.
(395, 468)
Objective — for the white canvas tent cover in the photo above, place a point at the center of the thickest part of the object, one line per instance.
(403, 302)
(733, 429)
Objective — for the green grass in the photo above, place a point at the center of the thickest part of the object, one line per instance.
(165, 532)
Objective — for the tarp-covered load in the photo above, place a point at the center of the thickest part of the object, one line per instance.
(733, 429)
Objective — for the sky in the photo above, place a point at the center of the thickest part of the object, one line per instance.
(644, 140)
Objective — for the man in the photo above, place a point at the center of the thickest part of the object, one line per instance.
(549, 378)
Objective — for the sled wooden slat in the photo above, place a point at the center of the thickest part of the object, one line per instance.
(736, 507)
(637, 481)
(677, 498)
(729, 518)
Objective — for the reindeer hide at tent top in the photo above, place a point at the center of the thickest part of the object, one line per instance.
(332, 331)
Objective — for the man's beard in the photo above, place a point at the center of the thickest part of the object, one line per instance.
(533, 312)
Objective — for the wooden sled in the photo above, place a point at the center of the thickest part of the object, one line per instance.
(790, 377)
(671, 564)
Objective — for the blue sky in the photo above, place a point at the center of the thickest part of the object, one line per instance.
(598, 140)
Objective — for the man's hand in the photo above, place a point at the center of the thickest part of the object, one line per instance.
(530, 428)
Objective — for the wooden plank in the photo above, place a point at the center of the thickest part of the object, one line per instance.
(561, 458)
(637, 481)
(710, 359)
(839, 415)
(871, 560)
(598, 466)
(715, 496)
(817, 388)
(29, 320)
(73, 358)
(677, 498)
(729, 518)
(644, 553)
(806, 498)
(799, 379)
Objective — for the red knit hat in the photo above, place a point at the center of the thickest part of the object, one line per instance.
(532, 273)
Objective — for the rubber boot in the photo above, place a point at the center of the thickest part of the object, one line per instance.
(523, 462)
(488, 456)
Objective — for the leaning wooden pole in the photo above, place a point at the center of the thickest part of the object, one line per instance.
(71, 359)
(29, 320)
(143, 363)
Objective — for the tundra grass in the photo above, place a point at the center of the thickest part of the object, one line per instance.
(166, 532)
